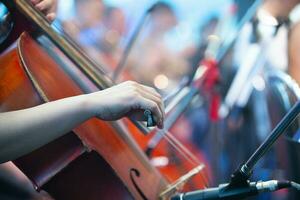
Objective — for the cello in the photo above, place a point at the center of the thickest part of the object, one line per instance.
(30, 76)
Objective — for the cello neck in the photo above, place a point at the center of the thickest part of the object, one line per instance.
(92, 71)
(80, 59)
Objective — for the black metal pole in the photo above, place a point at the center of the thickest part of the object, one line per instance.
(246, 169)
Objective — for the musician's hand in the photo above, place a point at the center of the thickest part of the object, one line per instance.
(48, 7)
(127, 99)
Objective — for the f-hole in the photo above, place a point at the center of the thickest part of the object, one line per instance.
(135, 173)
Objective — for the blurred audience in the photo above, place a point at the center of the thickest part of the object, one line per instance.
(101, 31)
(89, 18)
(114, 24)
(294, 50)
(98, 29)
(152, 61)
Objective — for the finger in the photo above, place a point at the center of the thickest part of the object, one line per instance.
(124, 86)
(137, 88)
(150, 89)
(51, 17)
(147, 104)
(155, 93)
(151, 96)
(45, 5)
(34, 2)
(154, 98)
(146, 90)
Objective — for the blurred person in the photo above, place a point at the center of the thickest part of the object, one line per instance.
(163, 18)
(89, 16)
(198, 114)
(267, 32)
(208, 29)
(271, 21)
(71, 29)
(114, 24)
(294, 50)
(99, 29)
(87, 28)
(152, 60)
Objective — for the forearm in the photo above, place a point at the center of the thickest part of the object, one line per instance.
(23, 131)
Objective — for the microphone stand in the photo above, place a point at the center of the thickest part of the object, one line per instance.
(239, 186)
(244, 172)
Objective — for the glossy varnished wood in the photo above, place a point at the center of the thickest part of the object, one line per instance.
(117, 149)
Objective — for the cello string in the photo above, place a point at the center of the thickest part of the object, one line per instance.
(174, 144)
(181, 149)
(180, 146)
(186, 153)
(172, 140)
(189, 156)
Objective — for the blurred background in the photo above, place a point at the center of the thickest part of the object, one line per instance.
(241, 58)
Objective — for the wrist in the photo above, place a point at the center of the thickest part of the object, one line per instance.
(92, 104)
(87, 105)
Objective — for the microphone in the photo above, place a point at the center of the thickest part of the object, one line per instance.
(239, 186)
(223, 192)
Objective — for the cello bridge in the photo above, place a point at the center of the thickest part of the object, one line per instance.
(178, 184)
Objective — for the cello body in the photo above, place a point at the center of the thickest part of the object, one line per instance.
(28, 80)
(37, 72)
